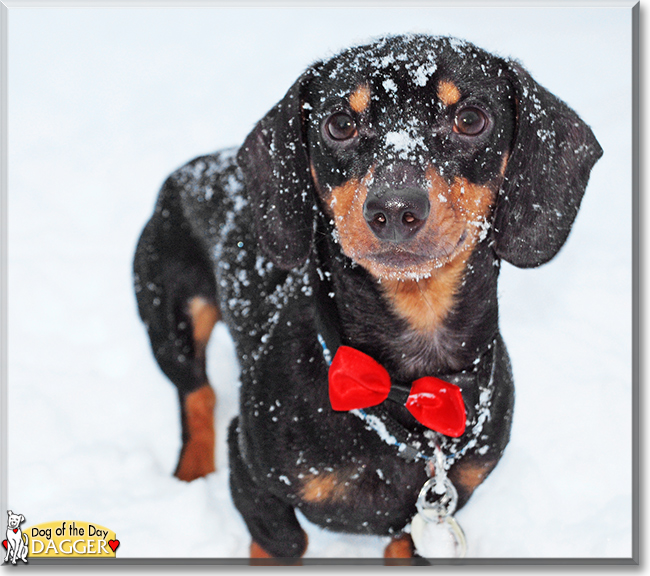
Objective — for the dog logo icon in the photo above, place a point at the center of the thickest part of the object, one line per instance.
(16, 542)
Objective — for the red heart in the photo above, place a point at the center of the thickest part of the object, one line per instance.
(15, 530)
(4, 543)
(114, 544)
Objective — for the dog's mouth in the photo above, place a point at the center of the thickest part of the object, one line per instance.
(401, 261)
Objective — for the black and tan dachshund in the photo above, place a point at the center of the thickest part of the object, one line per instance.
(354, 242)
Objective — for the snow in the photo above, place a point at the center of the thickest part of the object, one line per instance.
(403, 141)
(95, 126)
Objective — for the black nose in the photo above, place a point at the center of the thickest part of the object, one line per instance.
(396, 215)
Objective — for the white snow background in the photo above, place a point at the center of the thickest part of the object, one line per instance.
(105, 102)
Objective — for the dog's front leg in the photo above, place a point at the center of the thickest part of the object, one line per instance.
(272, 523)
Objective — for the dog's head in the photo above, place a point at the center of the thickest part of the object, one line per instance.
(418, 148)
(14, 520)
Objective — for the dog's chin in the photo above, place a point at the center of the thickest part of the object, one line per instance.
(389, 270)
(400, 263)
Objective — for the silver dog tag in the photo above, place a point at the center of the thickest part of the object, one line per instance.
(434, 530)
(443, 539)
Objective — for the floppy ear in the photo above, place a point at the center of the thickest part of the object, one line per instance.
(546, 176)
(276, 171)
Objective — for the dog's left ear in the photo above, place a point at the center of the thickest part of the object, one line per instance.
(546, 176)
(276, 171)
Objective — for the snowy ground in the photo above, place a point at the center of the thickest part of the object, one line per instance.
(104, 103)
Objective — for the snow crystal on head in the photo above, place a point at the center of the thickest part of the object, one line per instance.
(404, 142)
(389, 85)
(422, 74)
(461, 47)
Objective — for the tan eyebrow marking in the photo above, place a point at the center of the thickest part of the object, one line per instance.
(360, 98)
(448, 92)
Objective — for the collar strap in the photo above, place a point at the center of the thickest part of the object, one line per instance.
(399, 393)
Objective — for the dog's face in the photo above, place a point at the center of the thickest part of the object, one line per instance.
(14, 520)
(408, 144)
(418, 147)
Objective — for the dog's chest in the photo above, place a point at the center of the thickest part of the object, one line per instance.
(372, 324)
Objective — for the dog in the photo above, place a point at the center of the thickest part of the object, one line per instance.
(17, 542)
(354, 242)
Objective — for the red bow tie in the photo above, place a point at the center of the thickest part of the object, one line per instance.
(358, 381)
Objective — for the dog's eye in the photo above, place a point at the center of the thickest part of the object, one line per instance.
(341, 126)
(470, 121)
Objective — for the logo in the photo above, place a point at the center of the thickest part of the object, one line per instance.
(60, 539)
(16, 542)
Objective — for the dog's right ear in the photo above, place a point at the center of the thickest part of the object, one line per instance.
(275, 165)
